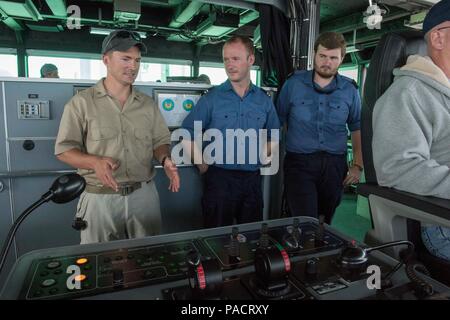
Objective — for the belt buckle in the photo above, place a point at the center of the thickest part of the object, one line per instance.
(126, 190)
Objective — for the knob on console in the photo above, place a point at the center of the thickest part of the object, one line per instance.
(311, 268)
(272, 266)
(353, 256)
(193, 258)
(206, 279)
(118, 278)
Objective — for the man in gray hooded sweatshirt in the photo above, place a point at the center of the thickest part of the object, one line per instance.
(411, 125)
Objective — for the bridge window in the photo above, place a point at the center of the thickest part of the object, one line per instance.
(8, 65)
(68, 68)
(94, 69)
(217, 74)
(351, 72)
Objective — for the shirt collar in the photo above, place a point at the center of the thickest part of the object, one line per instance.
(337, 80)
(100, 90)
(226, 86)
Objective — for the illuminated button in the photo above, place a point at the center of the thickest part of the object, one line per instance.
(48, 283)
(53, 264)
(80, 277)
(82, 261)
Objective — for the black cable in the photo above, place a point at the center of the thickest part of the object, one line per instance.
(400, 264)
(9, 239)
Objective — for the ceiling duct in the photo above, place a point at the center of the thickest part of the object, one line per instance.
(127, 10)
(218, 24)
(185, 13)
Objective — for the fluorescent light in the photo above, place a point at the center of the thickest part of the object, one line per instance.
(105, 32)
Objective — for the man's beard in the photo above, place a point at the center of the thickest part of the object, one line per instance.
(326, 75)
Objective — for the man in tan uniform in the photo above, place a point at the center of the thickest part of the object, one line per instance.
(111, 132)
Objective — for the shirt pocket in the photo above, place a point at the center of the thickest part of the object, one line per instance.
(224, 119)
(303, 110)
(337, 112)
(143, 135)
(256, 119)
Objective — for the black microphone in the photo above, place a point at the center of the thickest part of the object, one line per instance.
(65, 189)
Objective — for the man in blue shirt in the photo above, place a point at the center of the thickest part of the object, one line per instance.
(317, 107)
(237, 110)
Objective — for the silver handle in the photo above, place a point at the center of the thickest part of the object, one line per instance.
(37, 173)
(2, 186)
(40, 173)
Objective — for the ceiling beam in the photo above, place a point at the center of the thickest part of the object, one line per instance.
(355, 21)
(58, 7)
(10, 22)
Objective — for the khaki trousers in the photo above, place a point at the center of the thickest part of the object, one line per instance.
(114, 217)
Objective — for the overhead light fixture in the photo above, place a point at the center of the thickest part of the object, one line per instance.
(373, 16)
(105, 32)
(218, 24)
(127, 10)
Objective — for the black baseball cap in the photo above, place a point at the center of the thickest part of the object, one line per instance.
(122, 40)
(438, 14)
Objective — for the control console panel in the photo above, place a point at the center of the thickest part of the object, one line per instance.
(293, 258)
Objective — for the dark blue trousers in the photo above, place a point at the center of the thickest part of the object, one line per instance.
(314, 183)
(231, 194)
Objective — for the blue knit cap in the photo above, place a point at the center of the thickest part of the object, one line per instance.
(439, 13)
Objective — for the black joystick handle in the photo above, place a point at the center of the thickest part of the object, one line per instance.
(320, 231)
(234, 249)
(296, 231)
(264, 240)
